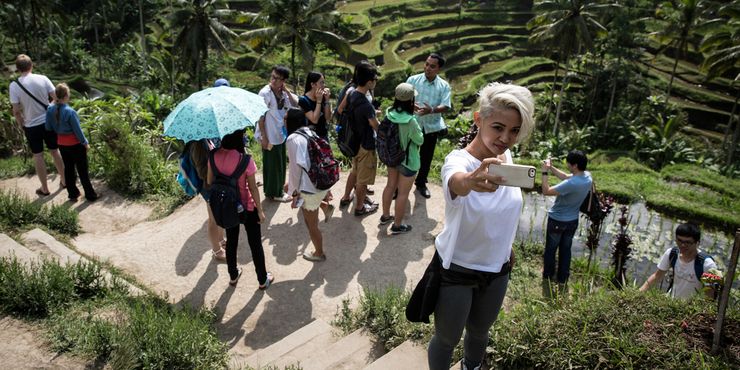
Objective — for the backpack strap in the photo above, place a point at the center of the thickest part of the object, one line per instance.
(699, 264)
(672, 258)
(306, 135)
(17, 81)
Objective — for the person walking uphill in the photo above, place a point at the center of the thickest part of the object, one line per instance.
(687, 264)
(432, 101)
(29, 96)
(481, 218)
(401, 177)
(562, 220)
(226, 161)
(73, 145)
(271, 133)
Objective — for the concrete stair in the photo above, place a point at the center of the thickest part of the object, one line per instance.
(408, 355)
(38, 244)
(315, 347)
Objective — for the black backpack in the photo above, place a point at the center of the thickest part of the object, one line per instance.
(388, 144)
(224, 200)
(348, 138)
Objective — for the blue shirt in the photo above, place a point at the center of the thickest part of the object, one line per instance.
(434, 93)
(572, 191)
(68, 123)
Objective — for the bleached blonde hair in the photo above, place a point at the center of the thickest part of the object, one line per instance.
(499, 96)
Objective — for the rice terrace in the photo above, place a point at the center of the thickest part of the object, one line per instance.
(134, 269)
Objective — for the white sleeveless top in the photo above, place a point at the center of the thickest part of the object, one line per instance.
(479, 227)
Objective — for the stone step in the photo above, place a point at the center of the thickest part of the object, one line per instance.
(10, 248)
(301, 344)
(42, 244)
(45, 245)
(356, 350)
(408, 355)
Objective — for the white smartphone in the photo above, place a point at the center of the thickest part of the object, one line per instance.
(514, 174)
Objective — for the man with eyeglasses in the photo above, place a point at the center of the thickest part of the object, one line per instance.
(272, 134)
(687, 263)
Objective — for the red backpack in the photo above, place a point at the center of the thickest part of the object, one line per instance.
(324, 171)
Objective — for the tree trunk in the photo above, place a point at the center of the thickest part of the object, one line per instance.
(97, 51)
(596, 88)
(733, 144)
(611, 104)
(560, 104)
(670, 83)
(292, 64)
(728, 129)
(143, 38)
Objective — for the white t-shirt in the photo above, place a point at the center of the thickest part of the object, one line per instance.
(299, 163)
(685, 282)
(38, 85)
(479, 227)
(274, 125)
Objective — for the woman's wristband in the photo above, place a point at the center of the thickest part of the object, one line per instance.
(545, 173)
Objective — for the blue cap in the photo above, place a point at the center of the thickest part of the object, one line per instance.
(221, 82)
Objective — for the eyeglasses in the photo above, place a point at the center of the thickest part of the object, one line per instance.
(682, 241)
(276, 78)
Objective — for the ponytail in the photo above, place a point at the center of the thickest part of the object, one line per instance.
(61, 91)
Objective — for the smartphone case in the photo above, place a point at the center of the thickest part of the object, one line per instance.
(514, 174)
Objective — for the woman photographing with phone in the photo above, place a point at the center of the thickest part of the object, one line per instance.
(315, 104)
(481, 218)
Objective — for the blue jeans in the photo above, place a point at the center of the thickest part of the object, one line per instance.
(560, 238)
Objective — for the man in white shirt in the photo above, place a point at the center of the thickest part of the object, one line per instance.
(272, 134)
(29, 96)
(686, 274)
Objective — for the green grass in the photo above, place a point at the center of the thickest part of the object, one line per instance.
(83, 312)
(18, 212)
(591, 326)
(18, 166)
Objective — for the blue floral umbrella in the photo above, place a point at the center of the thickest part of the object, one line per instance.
(214, 113)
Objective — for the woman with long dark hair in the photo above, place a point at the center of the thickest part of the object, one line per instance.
(73, 145)
(227, 159)
(315, 104)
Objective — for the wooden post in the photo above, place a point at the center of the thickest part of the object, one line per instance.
(725, 297)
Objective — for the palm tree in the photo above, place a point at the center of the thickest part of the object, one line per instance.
(568, 27)
(302, 23)
(721, 47)
(199, 28)
(677, 21)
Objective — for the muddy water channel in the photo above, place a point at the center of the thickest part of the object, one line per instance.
(651, 233)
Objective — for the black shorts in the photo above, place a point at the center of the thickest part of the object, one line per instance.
(37, 136)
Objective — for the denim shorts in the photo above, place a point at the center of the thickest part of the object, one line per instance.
(405, 171)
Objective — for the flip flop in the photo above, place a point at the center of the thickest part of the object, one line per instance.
(42, 193)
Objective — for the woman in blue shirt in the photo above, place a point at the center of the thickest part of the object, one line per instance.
(73, 145)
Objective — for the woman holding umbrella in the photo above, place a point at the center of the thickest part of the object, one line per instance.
(227, 159)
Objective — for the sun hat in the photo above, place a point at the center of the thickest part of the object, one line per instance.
(405, 92)
(221, 82)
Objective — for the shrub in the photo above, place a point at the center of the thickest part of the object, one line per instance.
(45, 286)
(144, 333)
(18, 211)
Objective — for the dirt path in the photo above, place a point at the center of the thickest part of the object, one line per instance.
(22, 346)
(172, 256)
(109, 215)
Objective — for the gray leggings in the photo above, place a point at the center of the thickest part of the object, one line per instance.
(464, 306)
